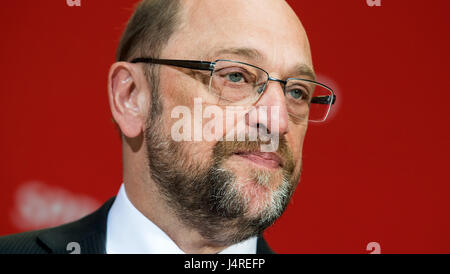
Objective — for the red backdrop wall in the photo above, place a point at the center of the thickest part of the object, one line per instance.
(376, 172)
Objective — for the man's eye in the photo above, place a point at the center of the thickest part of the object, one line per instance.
(261, 89)
(235, 77)
(297, 94)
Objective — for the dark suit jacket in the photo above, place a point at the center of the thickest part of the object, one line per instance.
(89, 232)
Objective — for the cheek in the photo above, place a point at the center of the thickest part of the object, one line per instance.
(179, 130)
(198, 153)
(183, 119)
(173, 90)
(182, 87)
(295, 139)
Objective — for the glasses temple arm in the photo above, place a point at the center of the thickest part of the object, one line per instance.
(200, 65)
(324, 100)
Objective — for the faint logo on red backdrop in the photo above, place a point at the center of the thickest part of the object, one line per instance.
(373, 3)
(38, 205)
(73, 3)
(374, 247)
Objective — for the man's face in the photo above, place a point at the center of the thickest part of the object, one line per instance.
(230, 184)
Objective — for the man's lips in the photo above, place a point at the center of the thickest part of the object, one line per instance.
(266, 159)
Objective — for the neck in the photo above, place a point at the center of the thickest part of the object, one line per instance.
(146, 198)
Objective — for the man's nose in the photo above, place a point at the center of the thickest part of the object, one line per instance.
(272, 110)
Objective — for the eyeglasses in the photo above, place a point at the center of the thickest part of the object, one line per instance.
(237, 83)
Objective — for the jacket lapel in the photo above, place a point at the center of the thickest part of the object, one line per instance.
(262, 247)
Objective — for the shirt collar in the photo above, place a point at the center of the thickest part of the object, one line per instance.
(128, 231)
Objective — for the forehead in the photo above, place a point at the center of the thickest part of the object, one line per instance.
(269, 27)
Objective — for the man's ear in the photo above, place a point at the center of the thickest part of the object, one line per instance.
(128, 98)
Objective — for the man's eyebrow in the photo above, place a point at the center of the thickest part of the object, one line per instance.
(305, 70)
(253, 54)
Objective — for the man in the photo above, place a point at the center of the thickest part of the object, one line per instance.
(184, 192)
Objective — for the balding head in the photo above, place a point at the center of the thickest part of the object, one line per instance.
(270, 26)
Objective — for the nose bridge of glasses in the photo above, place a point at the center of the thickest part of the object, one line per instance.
(273, 98)
(282, 82)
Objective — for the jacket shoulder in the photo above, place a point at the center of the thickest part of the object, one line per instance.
(23, 243)
(89, 232)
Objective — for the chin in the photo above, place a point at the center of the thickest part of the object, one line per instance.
(257, 187)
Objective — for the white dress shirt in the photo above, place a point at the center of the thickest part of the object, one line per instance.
(128, 231)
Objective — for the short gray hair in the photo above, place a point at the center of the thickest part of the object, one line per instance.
(149, 29)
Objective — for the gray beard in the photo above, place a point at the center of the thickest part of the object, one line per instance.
(205, 197)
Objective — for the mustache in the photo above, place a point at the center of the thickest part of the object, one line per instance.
(225, 149)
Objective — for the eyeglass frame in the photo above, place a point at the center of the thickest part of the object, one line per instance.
(205, 65)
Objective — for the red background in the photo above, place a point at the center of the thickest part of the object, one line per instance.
(377, 171)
